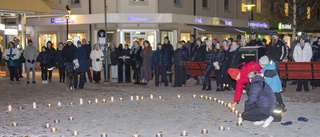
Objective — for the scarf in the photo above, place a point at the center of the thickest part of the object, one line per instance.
(233, 48)
(145, 49)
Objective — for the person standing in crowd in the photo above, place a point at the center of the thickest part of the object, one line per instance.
(52, 53)
(44, 58)
(106, 52)
(229, 41)
(238, 38)
(243, 42)
(60, 62)
(159, 63)
(21, 59)
(168, 48)
(136, 61)
(231, 61)
(126, 53)
(315, 58)
(68, 52)
(276, 49)
(255, 41)
(209, 60)
(97, 57)
(12, 55)
(146, 56)
(114, 56)
(180, 73)
(88, 48)
(271, 77)
(198, 55)
(80, 66)
(286, 48)
(264, 43)
(261, 101)
(30, 55)
(120, 48)
(302, 53)
(241, 76)
(214, 42)
(184, 47)
(190, 45)
(219, 65)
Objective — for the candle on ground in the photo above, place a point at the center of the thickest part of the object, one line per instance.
(104, 101)
(214, 99)
(159, 135)
(201, 96)
(9, 107)
(81, 101)
(137, 97)
(232, 109)
(14, 124)
(160, 97)
(239, 123)
(71, 103)
(71, 118)
(131, 97)
(236, 112)
(96, 100)
(204, 131)
(89, 102)
(104, 135)
(59, 104)
(151, 96)
(53, 129)
(47, 125)
(75, 133)
(184, 133)
(179, 96)
(222, 102)
(120, 99)
(210, 98)
(49, 105)
(112, 99)
(34, 104)
(194, 96)
(222, 128)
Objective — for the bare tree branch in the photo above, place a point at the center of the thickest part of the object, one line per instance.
(304, 9)
(302, 3)
(284, 17)
(308, 14)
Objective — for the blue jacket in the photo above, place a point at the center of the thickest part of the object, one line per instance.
(81, 55)
(271, 77)
(267, 101)
(159, 58)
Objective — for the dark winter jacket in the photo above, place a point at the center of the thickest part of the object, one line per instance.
(209, 56)
(68, 52)
(256, 42)
(276, 52)
(168, 48)
(88, 48)
(232, 58)
(219, 56)
(59, 59)
(81, 54)
(316, 54)
(267, 101)
(186, 50)
(52, 53)
(199, 54)
(179, 56)
(190, 47)
(44, 58)
(125, 52)
(136, 59)
(114, 56)
(159, 58)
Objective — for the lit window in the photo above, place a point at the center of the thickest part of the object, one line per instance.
(258, 6)
(178, 2)
(243, 6)
(226, 4)
(205, 4)
(308, 13)
(286, 9)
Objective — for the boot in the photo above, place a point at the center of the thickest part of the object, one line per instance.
(198, 82)
(209, 88)
(204, 87)
(222, 88)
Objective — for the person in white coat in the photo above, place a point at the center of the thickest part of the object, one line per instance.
(30, 54)
(12, 55)
(96, 56)
(302, 53)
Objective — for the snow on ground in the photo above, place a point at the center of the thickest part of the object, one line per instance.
(147, 117)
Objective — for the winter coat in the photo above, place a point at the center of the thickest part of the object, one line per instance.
(30, 53)
(97, 59)
(199, 52)
(302, 54)
(276, 52)
(68, 52)
(267, 101)
(247, 67)
(256, 42)
(209, 56)
(232, 57)
(190, 47)
(14, 55)
(271, 77)
(88, 48)
(106, 52)
(44, 58)
(114, 56)
(136, 59)
(168, 48)
(52, 52)
(159, 58)
(81, 54)
(315, 53)
(179, 56)
(59, 59)
(146, 62)
(125, 52)
(219, 56)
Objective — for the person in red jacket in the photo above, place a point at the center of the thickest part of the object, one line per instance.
(241, 76)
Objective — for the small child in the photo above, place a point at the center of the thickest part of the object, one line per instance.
(44, 59)
(159, 63)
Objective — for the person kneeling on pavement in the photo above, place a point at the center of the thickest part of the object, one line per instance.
(261, 101)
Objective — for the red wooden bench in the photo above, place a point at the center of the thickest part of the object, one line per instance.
(298, 70)
(196, 68)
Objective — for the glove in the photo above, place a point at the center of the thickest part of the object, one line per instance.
(33, 61)
(216, 65)
(97, 59)
(29, 60)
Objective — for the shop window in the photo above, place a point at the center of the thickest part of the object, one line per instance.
(205, 3)
(308, 13)
(286, 9)
(178, 2)
(44, 38)
(227, 5)
(203, 36)
(76, 36)
(243, 6)
(110, 37)
(185, 37)
(258, 6)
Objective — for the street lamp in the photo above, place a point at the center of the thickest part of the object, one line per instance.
(67, 18)
(249, 8)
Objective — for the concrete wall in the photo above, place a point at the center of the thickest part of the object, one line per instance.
(168, 6)
(127, 6)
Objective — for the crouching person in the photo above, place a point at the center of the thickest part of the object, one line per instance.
(159, 63)
(261, 101)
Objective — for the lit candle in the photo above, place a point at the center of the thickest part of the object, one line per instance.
(89, 102)
(219, 101)
(14, 124)
(49, 105)
(225, 104)
(179, 96)
(104, 101)
(120, 99)
(239, 123)
(75, 133)
(222, 128)
(151, 96)
(81, 101)
(112, 98)
(222, 102)
(159, 135)
(160, 97)
(137, 97)
(194, 96)
(71, 104)
(20, 108)
(47, 125)
(131, 98)
(229, 105)
(70, 118)
(56, 121)
(53, 129)
(214, 99)
(236, 112)
(96, 100)
(201, 96)
(240, 115)
(206, 97)
(34, 104)
(204, 131)
(135, 135)
(104, 135)
(59, 104)
(232, 109)
(9, 107)
(184, 133)
(240, 119)
(142, 97)
(210, 98)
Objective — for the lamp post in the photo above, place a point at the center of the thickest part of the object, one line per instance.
(67, 18)
(249, 8)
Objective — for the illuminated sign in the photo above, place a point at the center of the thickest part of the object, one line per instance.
(10, 32)
(217, 21)
(132, 18)
(284, 26)
(2, 27)
(258, 25)
(199, 20)
(60, 20)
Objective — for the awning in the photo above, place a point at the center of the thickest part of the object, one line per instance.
(230, 29)
(31, 7)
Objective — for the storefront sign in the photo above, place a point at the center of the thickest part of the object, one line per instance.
(258, 25)
(217, 21)
(60, 20)
(284, 26)
(2, 27)
(198, 20)
(132, 18)
(10, 32)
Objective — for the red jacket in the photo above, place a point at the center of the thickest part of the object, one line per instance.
(251, 66)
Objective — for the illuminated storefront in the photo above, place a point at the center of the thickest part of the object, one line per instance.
(44, 38)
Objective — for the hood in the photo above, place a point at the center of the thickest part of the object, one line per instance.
(270, 66)
(257, 79)
(233, 48)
